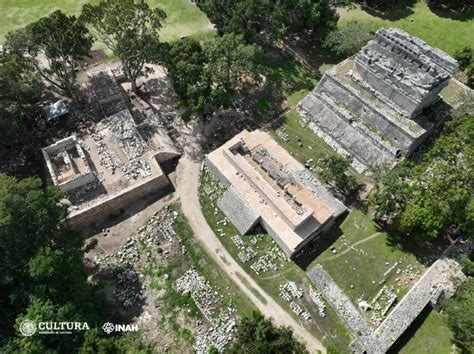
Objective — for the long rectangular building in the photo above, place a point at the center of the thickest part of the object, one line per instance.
(267, 186)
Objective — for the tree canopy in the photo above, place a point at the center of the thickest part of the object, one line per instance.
(42, 276)
(348, 39)
(60, 40)
(20, 91)
(130, 29)
(270, 19)
(424, 199)
(258, 335)
(335, 171)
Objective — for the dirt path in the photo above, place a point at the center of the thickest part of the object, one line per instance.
(187, 189)
(377, 234)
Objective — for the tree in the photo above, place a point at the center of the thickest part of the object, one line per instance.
(42, 276)
(269, 20)
(61, 40)
(425, 199)
(464, 57)
(185, 62)
(130, 29)
(460, 318)
(334, 170)
(232, 65)
(348, 39)
(20, 91)
(257, 335)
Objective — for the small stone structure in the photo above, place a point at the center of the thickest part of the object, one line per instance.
(374, 107)
(438, 282)
(267, 185)
(67, 164)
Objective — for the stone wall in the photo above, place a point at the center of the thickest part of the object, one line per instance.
(114, 202)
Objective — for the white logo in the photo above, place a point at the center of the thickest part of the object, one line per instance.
(28, 328)
(108, 327)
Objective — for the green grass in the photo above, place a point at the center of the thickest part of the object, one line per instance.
(208, 268)
(444, 32)
(291, 81)
(329, 329)
(432, 337)
(184, 18)
(313, 146)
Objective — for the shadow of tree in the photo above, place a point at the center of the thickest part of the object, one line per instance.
(387, 10)
(123, 290)
(454, 12)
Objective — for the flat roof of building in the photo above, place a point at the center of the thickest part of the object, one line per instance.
(274, 186)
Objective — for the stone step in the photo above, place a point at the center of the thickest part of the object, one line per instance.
(382, 142)
(341, 131)
(237, 211)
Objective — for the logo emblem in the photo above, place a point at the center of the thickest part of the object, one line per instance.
(28, 328)
(108, 327)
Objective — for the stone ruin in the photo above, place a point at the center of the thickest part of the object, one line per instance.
(375, 106)
(67, 164)
(267, 186)
(438, 282)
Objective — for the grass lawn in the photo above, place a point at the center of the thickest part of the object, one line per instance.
(184, 18)
(444, 32)
(290, 80)
(432, 337)
(313, 147)
(328, 329)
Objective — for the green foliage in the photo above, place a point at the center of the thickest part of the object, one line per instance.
(451, 4)
(20, 91)
(42, 276)
(62, 40)
(348, 39)
(270, 19)
(425, 199)
(464, 57)
(334, 170)
(185, 61)
(232, 65)
(257, 335)
(130, 29)
(460, 318)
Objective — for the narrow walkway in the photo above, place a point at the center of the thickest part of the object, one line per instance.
(188, 173)
(368, 238)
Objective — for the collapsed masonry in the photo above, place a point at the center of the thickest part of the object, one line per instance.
(115, 165)
(438, 282)
(372, 107)
(268, 186)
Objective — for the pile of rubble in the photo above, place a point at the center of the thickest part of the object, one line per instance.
(382, 303)
(317, 299)
(222, 320)
(129, 291)
(292, 294)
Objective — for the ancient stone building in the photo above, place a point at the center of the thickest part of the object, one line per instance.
(267, 186)
(374, 107)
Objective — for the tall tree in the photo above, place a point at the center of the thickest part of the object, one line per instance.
(185, 62)
(58, 40)
(130, 29)
(42, 276)
(233, 66)
(335, 171)
(20, 91)
(427, 198)
(256, 335)
(348, 39)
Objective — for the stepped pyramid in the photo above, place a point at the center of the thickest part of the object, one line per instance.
(375, 106)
